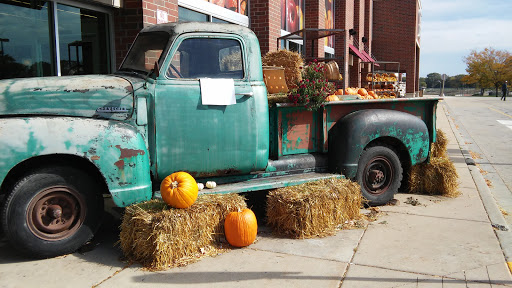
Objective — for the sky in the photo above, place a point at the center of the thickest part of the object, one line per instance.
(451, 29)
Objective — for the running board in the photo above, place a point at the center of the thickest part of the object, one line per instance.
(264, 183)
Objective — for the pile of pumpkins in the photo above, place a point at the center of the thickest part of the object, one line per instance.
(180, 190)
(368, 94)
(362, 93)
(334, 97)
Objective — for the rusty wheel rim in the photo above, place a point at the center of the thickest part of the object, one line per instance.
(378, 175)
(56, 213)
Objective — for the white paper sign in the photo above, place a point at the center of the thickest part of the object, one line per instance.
(161, 16)
(217, 91)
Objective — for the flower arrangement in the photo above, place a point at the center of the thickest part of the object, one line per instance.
(312, 90)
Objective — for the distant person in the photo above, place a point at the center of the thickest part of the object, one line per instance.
(504, 90)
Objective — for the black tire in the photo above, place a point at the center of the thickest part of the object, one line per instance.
(379, 174)
(52, 211)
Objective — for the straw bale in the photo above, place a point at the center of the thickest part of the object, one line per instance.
(439, 147)
(291, 62)
(277, 98)
(159, 237)
(439, 177)
(313, 209)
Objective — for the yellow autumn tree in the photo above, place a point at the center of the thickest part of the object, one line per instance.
(488, 68)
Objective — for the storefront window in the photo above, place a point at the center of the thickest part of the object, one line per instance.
(82, 41)
(329, 22)
(292, 18)
(28, 38)
(25, 39)
(218, 11)
(239, 6)
(185, 14)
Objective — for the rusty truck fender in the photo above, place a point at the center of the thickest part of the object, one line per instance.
(352, 133)
(116, 149)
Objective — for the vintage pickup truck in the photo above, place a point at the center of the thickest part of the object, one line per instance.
(66, 142)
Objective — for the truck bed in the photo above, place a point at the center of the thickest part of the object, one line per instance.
(294, 130)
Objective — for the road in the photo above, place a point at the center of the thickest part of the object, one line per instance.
(485, 124)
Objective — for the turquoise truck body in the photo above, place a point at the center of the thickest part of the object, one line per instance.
(133, 128)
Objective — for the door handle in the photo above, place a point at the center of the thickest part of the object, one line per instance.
(250, 94)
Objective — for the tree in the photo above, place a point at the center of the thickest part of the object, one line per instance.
(433, 79)
(488, 68)
(454, 81)
(423, 82)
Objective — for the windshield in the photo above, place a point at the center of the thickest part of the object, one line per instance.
(146, 49)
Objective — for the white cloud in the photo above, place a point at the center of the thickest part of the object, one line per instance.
(465, 35)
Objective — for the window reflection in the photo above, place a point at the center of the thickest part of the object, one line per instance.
(83, 41)
(28, 53)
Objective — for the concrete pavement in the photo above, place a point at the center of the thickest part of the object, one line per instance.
(442, 242)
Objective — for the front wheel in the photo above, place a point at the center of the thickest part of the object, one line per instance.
(52, 211)
(379, 174)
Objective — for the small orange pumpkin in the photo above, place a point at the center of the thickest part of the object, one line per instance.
(339, 92)
(332, 98)
(179, 190)
(362, 92)
(241, 228)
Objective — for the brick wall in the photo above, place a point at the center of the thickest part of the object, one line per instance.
(368, 23)
(265, 21)
(344, 19)
(135, 15)
(394, 36)
(314, 15)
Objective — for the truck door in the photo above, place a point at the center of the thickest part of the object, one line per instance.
(207, 140)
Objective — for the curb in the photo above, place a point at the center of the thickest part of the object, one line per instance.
(501, 228)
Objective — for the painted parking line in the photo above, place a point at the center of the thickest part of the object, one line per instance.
(507, 123)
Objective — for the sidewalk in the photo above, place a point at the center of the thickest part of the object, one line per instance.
(442, 242)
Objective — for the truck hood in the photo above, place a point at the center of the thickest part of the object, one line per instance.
(98, 96)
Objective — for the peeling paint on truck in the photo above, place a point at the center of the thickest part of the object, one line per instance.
(102, 142)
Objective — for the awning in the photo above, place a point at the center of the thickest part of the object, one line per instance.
(358, 53)
(367, 56)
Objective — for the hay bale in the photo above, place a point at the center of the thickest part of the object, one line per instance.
(439, 177)
(439, 147)
(291, 62)
(160, 237)
(277, 98)
(313, 209)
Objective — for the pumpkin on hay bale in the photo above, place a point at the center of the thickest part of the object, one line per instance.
(160, 237)
(313, 209)
(439, 176)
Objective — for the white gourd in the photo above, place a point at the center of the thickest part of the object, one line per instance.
(211, 184)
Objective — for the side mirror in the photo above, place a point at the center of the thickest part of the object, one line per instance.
(156, 69)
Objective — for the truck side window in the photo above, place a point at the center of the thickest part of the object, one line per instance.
(207, 58)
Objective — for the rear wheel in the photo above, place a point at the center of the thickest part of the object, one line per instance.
(379, 174)
(52, 211)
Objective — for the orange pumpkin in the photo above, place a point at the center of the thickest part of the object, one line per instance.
(332, 98)
(241, 228)
(179, 190)
(362, 92)
(351, 91)
(371, 93)
(339, 92)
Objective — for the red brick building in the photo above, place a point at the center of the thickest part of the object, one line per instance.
(83, 37)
